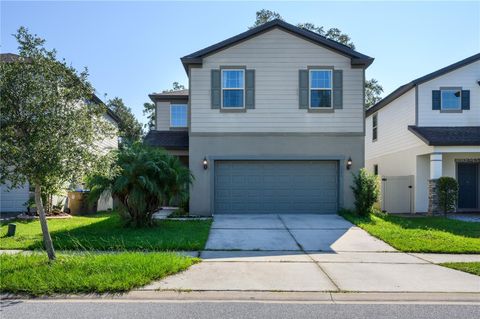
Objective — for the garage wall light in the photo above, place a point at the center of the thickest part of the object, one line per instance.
(349, 163)
(205, 163)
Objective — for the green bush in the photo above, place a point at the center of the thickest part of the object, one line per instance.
(141, 180)
(447, 192)
(366, 190)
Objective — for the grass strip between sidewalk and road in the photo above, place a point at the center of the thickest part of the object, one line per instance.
(105, 231)
(470, 267)
(421, 234)
(34, 275)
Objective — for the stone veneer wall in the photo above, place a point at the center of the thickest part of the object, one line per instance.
(433, 203)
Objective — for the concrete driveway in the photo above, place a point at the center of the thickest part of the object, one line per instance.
(308, 253)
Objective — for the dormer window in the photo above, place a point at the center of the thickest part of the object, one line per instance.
(233, 88)
(451, 99)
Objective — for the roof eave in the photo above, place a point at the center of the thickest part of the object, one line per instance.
(160, 98)
(358, 59)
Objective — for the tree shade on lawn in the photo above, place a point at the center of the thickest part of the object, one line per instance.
(105, 231)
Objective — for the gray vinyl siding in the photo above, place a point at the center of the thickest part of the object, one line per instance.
(163, 116)
(276, 56)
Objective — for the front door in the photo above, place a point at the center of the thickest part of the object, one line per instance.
(468, 185)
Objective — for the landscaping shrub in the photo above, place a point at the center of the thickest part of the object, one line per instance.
(447, 192)
(141, 179)
(366, 190)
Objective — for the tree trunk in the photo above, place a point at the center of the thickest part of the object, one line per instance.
(47, 240)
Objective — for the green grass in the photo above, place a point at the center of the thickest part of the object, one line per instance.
(472, 267)
(421, 234)
(86, 273)
(105, 231)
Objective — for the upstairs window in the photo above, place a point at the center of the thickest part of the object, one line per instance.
(178, 115)
(320, 89)
(233, 88)
(451, 99)
(374, 127)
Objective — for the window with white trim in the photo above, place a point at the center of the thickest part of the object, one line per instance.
(233, 88)
(374, 127)
(451, 99)
(320, 88)
(178, 115)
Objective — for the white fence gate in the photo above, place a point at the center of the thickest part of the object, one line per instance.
(397, 194)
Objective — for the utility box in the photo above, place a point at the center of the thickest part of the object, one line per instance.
(78, 203)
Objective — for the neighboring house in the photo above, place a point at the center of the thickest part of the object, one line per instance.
(273, 122)
(424, 130)
(14, 200)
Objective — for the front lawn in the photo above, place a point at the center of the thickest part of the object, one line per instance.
(421, 234)
(104, 231)
(472, 267)
(86, 273)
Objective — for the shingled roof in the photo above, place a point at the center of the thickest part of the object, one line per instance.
(357, 59)
(170, 140)
(448, 136)
(169, 96)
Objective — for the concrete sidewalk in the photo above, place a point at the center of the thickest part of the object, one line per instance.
(311, 253)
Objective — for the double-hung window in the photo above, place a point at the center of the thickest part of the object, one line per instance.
(233, 88)
(374, 127)
(320, 89)
(451, 99)
(178, 115)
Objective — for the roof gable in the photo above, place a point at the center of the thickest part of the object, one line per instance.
(406, 87)
(357, 59)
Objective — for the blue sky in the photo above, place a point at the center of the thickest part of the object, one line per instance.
(133, 48)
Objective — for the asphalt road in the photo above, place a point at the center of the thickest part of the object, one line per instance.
(184, 310)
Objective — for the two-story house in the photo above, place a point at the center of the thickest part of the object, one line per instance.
(426, 129)
(273, 122)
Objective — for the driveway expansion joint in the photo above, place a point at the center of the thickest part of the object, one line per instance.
(303, 250)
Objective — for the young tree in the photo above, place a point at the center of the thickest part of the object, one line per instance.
(175, 87)
(48, 124)
(130, 129)
(373, 89)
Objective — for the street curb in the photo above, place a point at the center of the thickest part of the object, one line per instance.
(261, 296)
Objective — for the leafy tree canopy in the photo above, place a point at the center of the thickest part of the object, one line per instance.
(175, 87)
(50, 127)
(130, 129)
(373, 91)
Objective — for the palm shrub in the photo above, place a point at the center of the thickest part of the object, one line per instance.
(366, 190)
(178, 182)
(139, 179)
(447, 192)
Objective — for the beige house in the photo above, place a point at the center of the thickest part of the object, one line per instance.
(273, 122)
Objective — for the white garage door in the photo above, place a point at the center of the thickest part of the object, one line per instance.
(243, 187)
